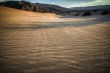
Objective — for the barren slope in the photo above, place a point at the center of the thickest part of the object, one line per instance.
(80, 46)
(11, 16)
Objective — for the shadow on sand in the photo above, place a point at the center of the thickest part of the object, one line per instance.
(45, 25)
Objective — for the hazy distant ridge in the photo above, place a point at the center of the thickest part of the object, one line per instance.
(36, 7)
(49, 8)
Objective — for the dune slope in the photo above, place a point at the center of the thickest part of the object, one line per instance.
(15, 16)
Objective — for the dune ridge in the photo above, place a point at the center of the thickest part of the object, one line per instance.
(12, 11)
(12, 16)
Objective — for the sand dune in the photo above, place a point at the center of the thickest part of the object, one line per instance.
(12, 11)
(11, 16)
(55, 50)
(15, 16)
(79, 46)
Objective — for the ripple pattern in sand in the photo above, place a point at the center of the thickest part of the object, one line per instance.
(55, 50)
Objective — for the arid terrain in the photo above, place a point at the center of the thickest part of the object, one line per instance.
(48, 43)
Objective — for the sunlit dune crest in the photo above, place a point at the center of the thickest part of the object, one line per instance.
(11, 16)
(15, 16)
(12, 11)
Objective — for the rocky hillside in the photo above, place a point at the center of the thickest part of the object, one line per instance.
(49, 8)
(36, 7)
(91, 10)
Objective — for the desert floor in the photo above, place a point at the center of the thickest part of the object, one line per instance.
(78, 46)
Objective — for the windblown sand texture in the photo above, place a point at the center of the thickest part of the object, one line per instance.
(78, 46)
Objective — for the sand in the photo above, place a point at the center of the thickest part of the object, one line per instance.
(12, 16)
(78, 46)
(15, 16)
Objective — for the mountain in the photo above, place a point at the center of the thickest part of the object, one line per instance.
(36, 7)
(49, 8)
(100, 7)
(91, 10)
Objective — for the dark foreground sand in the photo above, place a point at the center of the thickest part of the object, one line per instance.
(70, 47)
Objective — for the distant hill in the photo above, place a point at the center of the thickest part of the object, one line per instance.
(36, 7)
(49, 8)
(100, 7)
(91, 10)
